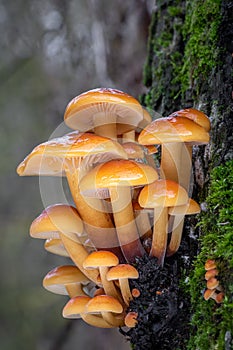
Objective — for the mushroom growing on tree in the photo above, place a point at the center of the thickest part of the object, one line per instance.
(160, 195)
(114, 180)
(73, 155)
(109, 112)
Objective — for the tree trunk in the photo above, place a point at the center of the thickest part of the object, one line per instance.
(189, 64)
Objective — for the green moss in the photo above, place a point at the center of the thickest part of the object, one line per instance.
(210, 321)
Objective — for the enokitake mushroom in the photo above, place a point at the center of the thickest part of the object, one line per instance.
(160, 195)
(76, 308)
(122, 273)
(66, 280)
(108, 307)
(177, 214)
(62, 221)
(103, 260)
(174, 134)
(73, 155)
(114, 180)
(109, 112)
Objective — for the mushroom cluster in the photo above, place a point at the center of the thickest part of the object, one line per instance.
(213, 288)
(124, 206)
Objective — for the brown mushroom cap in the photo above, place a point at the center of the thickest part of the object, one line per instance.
(191, 207)
(209, 293)
(131, 319)
(104, 303)
(195, 115)
(212, 283)
(81, 110)
(116, 173)
(211, 273)
(55, 219)
(75, 306)
(56, 280)
(122, 271)
(100, 258)
(210, 264)
(173, 129)
(49, 157)
(133, 150)
(162, 193)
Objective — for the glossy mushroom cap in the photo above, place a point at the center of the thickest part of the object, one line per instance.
(210, 264)
(122, 271)
(100, 258)
(162, 193)
(209, 294)
(191, 207)
(173, 129)
(56, 280)
(57, 218)
(116, 173)
(195, 115)
(82, 109)
(75, 307)
(104, 303)
(49, 157)
(133, 150)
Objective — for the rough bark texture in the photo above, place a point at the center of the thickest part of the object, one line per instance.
(189, 65)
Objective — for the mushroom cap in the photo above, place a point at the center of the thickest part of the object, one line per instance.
(191, 207)
(104, 303)
(210, 264)
(212, 283)
(56, 279)
(131, 319)
(57, 218)
(122, 271)
(116, 173)
(211, 273)
(219, 297)
(55, 246)
(48, 158)
(75, 307)
(162, 193)
(81, 110)
(195, 115)
(173, 129)
(208, 293)
(100, 258)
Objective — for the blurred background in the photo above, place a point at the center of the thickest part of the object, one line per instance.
(51, 51)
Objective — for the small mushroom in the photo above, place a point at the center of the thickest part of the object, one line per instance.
(107, 306)
(109, 112)
(210, 264)
(76, 308)
(103, 260)
(67, 279)
(211, 273)
(115, 179)
(122, 273)
(160, 195)
(131, 319)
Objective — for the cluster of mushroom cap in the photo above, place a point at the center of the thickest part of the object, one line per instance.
(213, 288)
(124, 207)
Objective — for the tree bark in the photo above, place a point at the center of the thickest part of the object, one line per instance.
(189, 64)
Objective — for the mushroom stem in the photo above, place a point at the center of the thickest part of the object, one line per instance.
(97, 222)
(177, 228)
(105, 125)
(74, 289)
(96, 321)
(143, 224)
(108, 286)
(129, 136)
(78, 254)
(125, 290)
(109, 317)
(125, 223)
(159, 240)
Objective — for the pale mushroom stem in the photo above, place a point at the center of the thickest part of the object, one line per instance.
(129, 136)
(105, 125)
(176, 164)
(74, 289)
(125, 290)
(143, 224)
(97, 222)
(160, 233)
(125, 222)
(173, 246)
(109, 317)
(108, 286)
(96, 321)
(78, 254)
